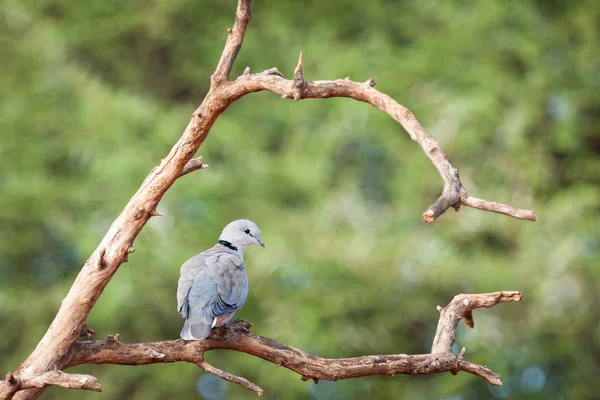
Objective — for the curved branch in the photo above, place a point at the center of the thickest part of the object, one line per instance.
(461, 307)
(453, 196)
(239, 338)
(54, 349)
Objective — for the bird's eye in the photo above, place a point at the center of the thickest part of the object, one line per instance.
(247, 231)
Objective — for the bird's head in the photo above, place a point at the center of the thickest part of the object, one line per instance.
(241, 233)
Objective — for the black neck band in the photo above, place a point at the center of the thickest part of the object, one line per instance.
(228, 244)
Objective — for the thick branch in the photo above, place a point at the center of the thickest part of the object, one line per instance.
(117, 244)
(238, 337)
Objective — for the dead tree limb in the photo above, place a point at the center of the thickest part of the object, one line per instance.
(54, 349)
(239, 338)
(454, 194)
(13, 384)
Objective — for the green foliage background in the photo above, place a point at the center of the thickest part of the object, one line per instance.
(93, 94)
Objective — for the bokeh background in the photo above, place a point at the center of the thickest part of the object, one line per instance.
(93, 94)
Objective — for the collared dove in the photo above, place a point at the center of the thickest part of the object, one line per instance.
(213, 284)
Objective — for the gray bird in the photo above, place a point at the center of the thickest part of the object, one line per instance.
(213, 284)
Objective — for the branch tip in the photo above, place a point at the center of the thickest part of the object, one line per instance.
(429, 216)
(193, 165)
(233, 44)
(299, 66)
(500, 208)
(298, 83)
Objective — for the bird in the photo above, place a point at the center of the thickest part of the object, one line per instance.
(213, 285)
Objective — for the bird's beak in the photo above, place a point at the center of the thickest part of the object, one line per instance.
(260, 242)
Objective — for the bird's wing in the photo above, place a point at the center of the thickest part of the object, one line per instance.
(232, 281)
(189, 270)
(219, 288)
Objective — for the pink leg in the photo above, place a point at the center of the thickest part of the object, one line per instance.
(223, 319)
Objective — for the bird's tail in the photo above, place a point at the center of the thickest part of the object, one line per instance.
(197, 331)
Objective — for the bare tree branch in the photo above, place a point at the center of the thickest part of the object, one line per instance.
(234, 43)
(454, 195)
(67, 381)
(461, 307)
(13, 384)
(499, 208)
(239, 338)
(230, 377)
(54, 350)
(114, 248)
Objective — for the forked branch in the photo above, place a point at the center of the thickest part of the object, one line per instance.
(55, 350)
(454, 194)
(239, 338)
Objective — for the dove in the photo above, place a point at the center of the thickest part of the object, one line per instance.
(213, 285)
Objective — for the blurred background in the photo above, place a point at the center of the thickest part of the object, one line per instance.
(94, 94)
